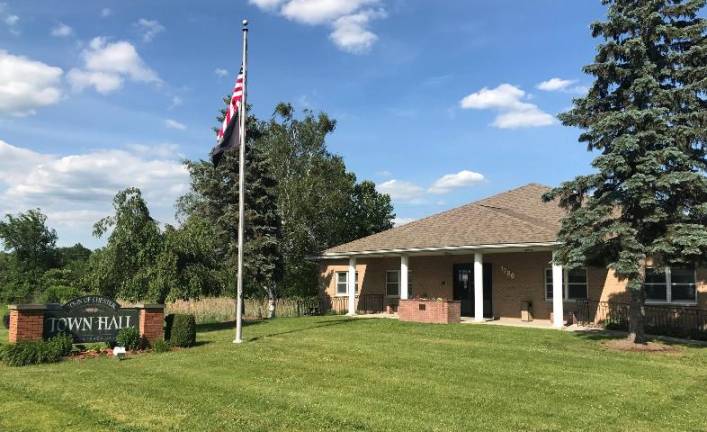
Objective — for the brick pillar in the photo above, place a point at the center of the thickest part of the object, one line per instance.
(152, 321)
(26, 322)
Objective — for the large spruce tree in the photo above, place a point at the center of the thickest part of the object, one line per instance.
(214, 198)
(646, 114)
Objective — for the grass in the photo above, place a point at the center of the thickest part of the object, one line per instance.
(334, 373)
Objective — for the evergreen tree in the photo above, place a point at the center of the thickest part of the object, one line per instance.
(214, 198)
(646, 114)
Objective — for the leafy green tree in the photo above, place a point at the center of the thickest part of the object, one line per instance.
(646, 115)
(188, 266)
(32, 245)
(371, 211)
(123, 268)
(319, 201)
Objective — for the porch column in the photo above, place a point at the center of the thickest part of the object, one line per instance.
(478, 287)
(351, 279)
(404, 294)
(558, 295)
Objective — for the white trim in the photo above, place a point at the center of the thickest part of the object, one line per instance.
(669, 290)
(558, 312)
(478, 287)
(565, 285)
(390, 283)
(398, 272)
(403, 285)
(339, 255)
(336, 285)
(352, 286)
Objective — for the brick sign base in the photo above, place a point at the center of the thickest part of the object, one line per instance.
(27, 322)
(430, 311)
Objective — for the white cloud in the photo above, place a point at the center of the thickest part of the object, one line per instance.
(403, 191)
(106, 65)
(407, 192)
(77, 190)
(220, 72)
(266, 4)
(321, 11)
(562, 85)
(350, 32)
(10, 20)
(103, 82)
(510, 101)
(62, 30)
(173, 124)
(402, 221)
(148, 28)
(176, 101)
(447, 182)
(554, 84)
(26, 85)
(532, 117)
(106, 12)
(349, 19)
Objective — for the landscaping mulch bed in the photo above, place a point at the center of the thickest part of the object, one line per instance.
(649, 347)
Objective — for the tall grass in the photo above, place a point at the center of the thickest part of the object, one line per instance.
(220, 309)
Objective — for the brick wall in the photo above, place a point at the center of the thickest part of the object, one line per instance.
(25, 325)
(152, 322)
(429, 311)
(517, 277)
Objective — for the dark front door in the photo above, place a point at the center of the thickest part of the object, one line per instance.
(464, 288)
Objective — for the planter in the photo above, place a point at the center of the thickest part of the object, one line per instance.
(430, 311)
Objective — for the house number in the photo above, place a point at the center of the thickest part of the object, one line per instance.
(506, 271)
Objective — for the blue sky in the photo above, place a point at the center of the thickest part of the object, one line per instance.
(440, 103)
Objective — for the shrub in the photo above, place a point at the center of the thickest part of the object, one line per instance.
(130, 339)
(182, 330)
(160, 346)
(31, 352)
(64, 342)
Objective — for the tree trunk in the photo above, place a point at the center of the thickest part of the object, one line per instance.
(637, 312)
(272, 303)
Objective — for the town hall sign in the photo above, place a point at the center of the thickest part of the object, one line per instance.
(89, 319)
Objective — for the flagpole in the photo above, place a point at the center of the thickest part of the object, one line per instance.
(241, 190)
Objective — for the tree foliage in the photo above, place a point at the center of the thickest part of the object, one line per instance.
(646, 115)
(125, 265)
(320, 203)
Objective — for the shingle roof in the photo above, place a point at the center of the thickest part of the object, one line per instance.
(518, 216)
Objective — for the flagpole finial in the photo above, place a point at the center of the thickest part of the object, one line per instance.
(245, 23)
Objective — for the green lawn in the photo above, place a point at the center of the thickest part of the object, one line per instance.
(333, 373)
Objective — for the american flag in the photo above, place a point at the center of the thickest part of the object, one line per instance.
(228, 135)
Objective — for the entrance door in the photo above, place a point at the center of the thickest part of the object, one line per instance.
(464, 288)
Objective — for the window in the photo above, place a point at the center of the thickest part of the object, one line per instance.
(574, 285)
(342, 281)
(670, 285)
(392, 283)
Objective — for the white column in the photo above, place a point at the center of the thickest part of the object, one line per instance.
(404, 277)
(558, 295)
(352, 286)
(478, 287)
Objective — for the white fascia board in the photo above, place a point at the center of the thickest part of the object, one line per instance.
(443, 250)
